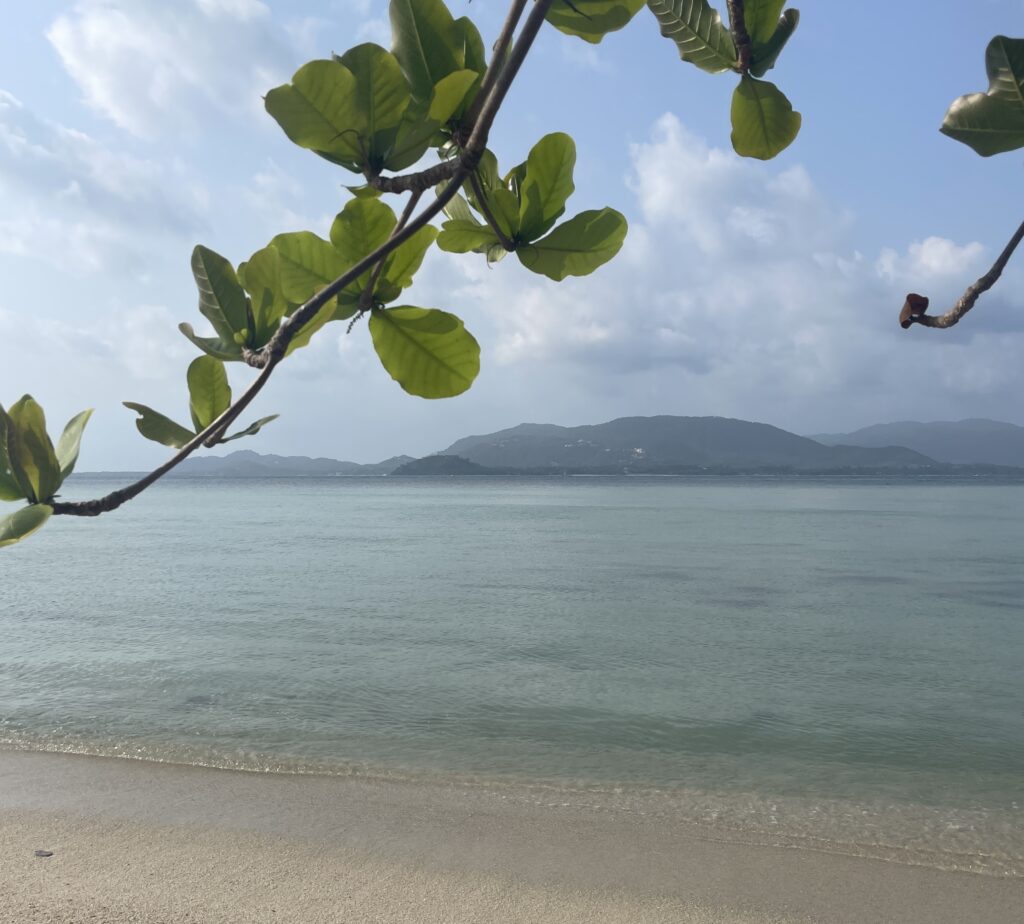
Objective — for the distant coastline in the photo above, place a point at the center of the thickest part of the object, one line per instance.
(691, 447)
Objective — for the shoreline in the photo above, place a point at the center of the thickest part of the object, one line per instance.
(947, 838)
(180, 840)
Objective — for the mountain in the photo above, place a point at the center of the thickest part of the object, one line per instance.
(652, 443)
(248, 464)
(960, 442)
(441, 465)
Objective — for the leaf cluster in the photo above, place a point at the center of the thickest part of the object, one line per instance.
(32, 469)
(520, 211)
(370, 109)
(209, 397)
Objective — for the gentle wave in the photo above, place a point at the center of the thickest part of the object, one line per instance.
(981, 841)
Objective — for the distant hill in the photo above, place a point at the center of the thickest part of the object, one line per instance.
(652, 443)
(248, 464)
(961, 442)
(441, 465)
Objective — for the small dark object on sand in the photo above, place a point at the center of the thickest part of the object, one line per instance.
(44, 853)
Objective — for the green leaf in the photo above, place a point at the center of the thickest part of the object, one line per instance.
(577, 247)
(993, 122)
(69, 443)
(154, 426)
(403, 262)
(473, 51)
(502, 202)
(462, 236)
(9, 488)
(763, 121)
(698, 32)
(23, 523)
(547, 184)
(450, 94)
(319, 110)
(427, 43)
(382, 97)
(358, 230)
(765, 55)
(415, 135)
(458, 209)
(261, 278)
(252, 429)
(428, 352)
(222, 300)
(475, 59)
(591, 20)
(32, 457)
(213, 346)
(762, 18)
(308, 263)
(208, 391)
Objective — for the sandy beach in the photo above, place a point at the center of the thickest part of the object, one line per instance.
(138, 842)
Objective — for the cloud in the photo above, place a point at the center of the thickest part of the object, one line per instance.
(930, 259)
(74, 201)
(739, 293)
(159, 69)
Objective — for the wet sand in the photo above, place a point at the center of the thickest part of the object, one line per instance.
(142, 842)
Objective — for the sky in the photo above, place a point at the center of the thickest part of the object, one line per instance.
(131, 130)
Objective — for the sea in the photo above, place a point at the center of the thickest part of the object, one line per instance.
(829, 663)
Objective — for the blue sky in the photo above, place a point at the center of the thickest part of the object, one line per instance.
(131, 130)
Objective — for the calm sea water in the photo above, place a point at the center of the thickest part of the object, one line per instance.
(842, 662)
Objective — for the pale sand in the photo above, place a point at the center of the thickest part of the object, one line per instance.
(138, 842)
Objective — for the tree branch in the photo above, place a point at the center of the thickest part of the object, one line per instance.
(272, 354)
(498, 53)
(740, 36)
(914, 310)
(417, 182)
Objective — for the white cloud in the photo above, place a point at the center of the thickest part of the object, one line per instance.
(934, 258)
(157, 69)
(241, 10)
(77, 202)
(739, 293)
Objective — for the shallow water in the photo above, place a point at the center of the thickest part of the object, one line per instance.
(840, 661)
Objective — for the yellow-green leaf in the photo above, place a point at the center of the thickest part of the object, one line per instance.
(319, 110)
(428, 352)
(208, 390)
(763, 120)
(33, 459)
(69, 443)
(576, 247)
(154, 426)
(308, 264)
(23, 523)
(547, 184)
(222, 300)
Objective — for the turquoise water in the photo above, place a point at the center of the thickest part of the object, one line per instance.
(843, 661)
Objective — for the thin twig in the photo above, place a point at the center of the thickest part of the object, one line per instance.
(489, 109)
(478, 191)
(740, 36)
(366, 296)
(967, 301)
(498, 53)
